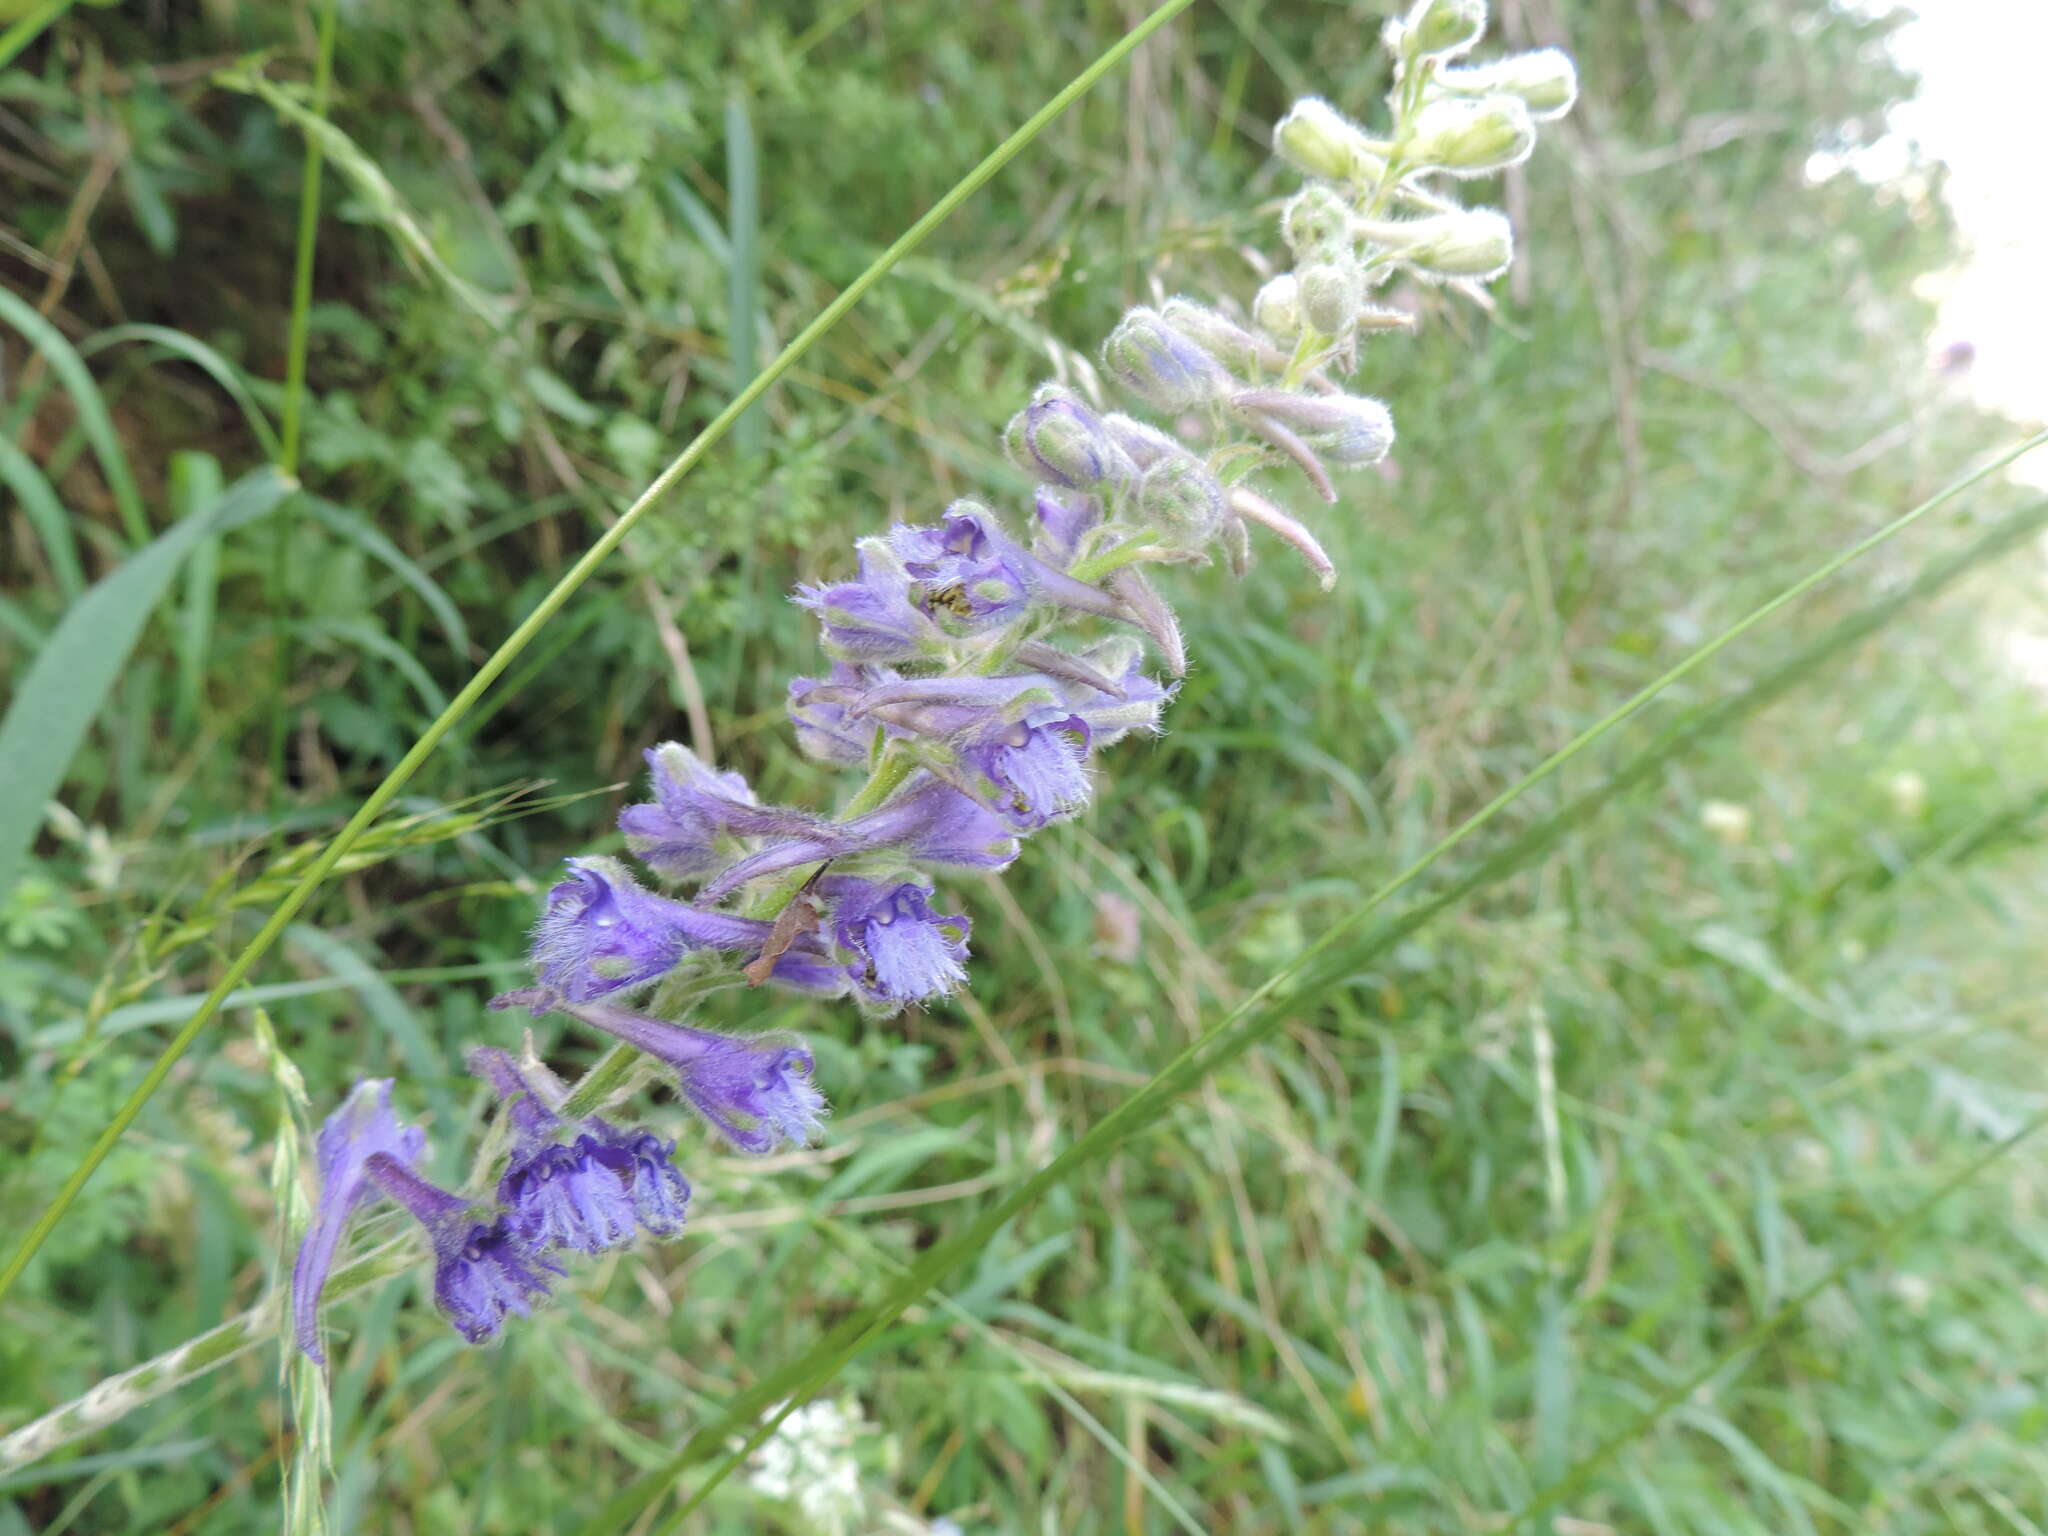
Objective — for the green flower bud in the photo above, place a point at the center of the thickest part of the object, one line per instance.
(1315, 138)
(1442, 28)
(1472, 138)
(1180, 498)
(1277, 309)
(1473, 243)
(1546, 81)
(1315, 219)
(1331, 295)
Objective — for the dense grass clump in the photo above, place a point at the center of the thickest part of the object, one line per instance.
(1655, 1160)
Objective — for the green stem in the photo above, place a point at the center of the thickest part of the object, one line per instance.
(601, 1082)
(549, 606)
(295, 395)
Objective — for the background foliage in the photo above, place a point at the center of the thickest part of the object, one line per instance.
(1399, 1271)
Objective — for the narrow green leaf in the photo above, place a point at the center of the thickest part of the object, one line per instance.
(93, 419)
(359, 531)
(206, 359)
(46, 515)
(57, 701)
(195, 485)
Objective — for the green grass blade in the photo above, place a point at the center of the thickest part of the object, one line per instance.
(195, 484)
(29, 28)
(71, 676)
(360, 532)
(93, 419)
(743, 270)
(1673, 1396)
(208, 361)
(46, 515)
(516, 642)
(1324, 963)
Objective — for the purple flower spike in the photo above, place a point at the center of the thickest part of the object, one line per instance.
(364, 1127)
(1032, 771)
(642, 1162)
(964, 573)
(903, 952)
(482, 1270)
(871, 619)
(602, 933)
(757, 1093)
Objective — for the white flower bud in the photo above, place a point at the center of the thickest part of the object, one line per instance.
(1315, 219)
(1441, 28)
(1473, 243)
(1472, 138)
(1546, 81)
(1314, 137)
(1277, 309)
(1331, 295)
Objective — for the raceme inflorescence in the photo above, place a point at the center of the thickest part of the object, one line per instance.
(978, 667)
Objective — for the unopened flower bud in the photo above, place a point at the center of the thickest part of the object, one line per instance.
(1142, 443)
(1442, 28)
(1180, 498)
(1546, 81)
(1224, 339)
(1160, 365)
(1314, 137)
(1346, 430)
(1277, 309)
(1314, 221)
(1472, 138)
(1471, 243)
(1058, 437)
(1331, 295)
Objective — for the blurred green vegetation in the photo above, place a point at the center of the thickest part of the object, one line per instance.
(1401, 1271)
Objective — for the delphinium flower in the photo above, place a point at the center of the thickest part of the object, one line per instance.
(979, 665)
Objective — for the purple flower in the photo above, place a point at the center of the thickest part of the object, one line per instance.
(585, 1193)
(902, 951)
(363, 1127)
(1134, 706)
(562, 1196)
(482, 1269)
(694, 805)
(964, 573)
(755, 1092)
(927, 820)
(556, 1194)
(644, 1163)
(602, 933)
(1030, 771)
(872, 618)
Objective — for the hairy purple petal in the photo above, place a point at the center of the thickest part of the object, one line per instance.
(818, 709)
(642, 1161)
(1064, 519)
(1029, 772)
(872, 618)
(756, 1092)
(694, 806)
(902, 951)
(564, 1196)
(364, 1126)
(602, 933)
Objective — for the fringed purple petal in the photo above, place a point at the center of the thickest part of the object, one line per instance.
(902, 951)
